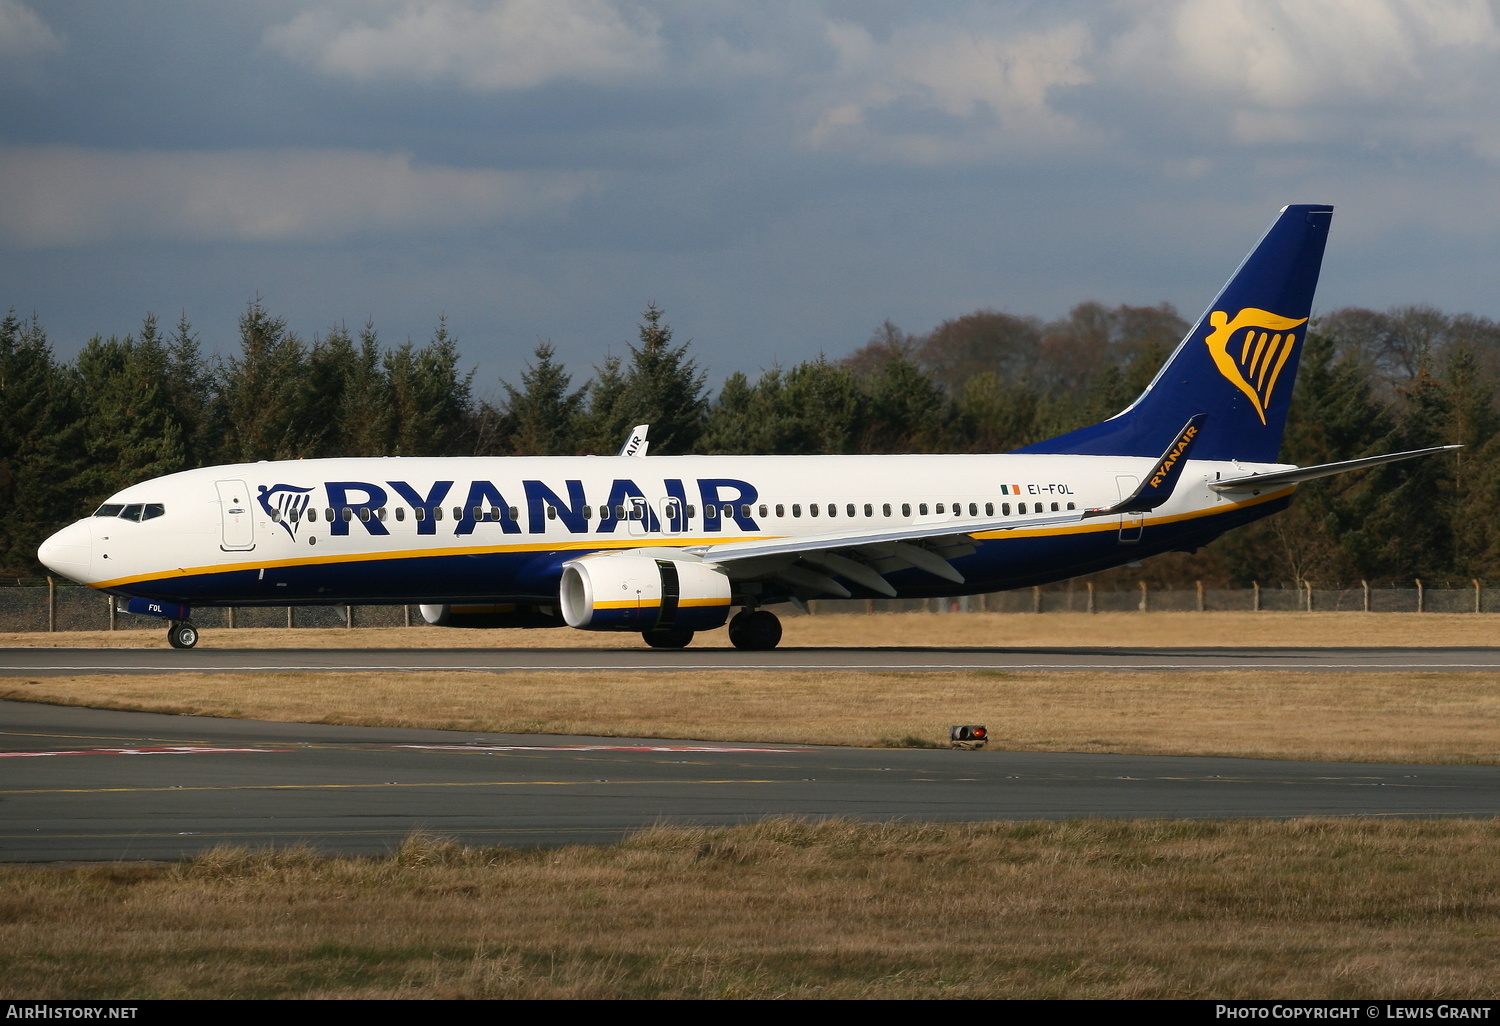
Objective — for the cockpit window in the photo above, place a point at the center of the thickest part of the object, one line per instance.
(136, 511)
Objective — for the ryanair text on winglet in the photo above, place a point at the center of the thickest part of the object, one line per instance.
(1173, 456)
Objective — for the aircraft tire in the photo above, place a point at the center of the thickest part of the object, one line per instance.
(755, 631)
(182, 635)
(668, 638)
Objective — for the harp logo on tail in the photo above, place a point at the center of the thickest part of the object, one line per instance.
(1250, 349)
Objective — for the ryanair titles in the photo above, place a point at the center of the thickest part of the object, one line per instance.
(718, 503)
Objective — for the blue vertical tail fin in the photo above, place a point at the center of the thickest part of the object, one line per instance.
(1237, 364)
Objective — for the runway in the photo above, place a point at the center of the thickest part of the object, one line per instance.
(83, 784)
(62, 661)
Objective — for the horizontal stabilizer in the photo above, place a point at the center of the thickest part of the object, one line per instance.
(1156, 489)
(1300, 474)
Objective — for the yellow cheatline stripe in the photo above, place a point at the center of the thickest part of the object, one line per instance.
(604, 544)
(1103, 524)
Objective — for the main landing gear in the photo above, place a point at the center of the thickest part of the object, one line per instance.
(182, 634)
(755, 630)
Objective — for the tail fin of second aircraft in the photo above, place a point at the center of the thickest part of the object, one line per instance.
(1237, 364)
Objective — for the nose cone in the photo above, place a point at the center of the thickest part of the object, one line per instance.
(69, 552)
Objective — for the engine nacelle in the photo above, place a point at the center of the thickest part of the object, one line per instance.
(491, 616)
(644, 591)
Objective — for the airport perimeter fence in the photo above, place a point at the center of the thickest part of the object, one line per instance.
(59, 607)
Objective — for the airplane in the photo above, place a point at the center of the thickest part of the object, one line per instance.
(669, 546)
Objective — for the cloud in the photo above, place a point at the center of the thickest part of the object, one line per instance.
(502, 45)
(1292, 71)
(933, 92)
(23, 34)
(65, 195)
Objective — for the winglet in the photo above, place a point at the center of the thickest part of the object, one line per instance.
(1158, 487)
(636, 444)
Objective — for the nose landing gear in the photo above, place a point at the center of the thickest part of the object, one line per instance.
(182, 634)
(755, 630)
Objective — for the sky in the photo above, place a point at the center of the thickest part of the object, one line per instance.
(780, 177)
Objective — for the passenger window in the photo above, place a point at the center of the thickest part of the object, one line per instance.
(364, 513)
(833, 510)
(763, 510)
(551, 512)
(400, 513)
(1005, 509)
(478, 513)
(780, 510)
(940, 507)
(849, 509)
(989, 509)
(745, 512)
(812, 509)
(437, 513)
(619, 512)
(886, 509)
(1054, 507)
(458, 512)
(796, 509)
(906, 509)
(869, 510)
(711, 512)
(1070, 505)
(973, 509)
(515, 512)
(1020, 507)
(922, 509)
(692, 511)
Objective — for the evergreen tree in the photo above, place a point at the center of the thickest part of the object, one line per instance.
(41, 449)
(263, 409)
(664, 388)
(543, 413)
(432, 403)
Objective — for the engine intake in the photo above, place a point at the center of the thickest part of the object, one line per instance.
(631, 591)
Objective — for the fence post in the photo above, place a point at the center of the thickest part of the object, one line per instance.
(406, 614)
(1255, 606)
(1036, 599)
(231, 618)
(348, 617)
(111, 600)
(1307, 586)
(51, 605)
(1145, 605)
(1092, 607)
(1200, 595)
(1421, 603)
(1366, 586)
(289, 622)
(1478, 596)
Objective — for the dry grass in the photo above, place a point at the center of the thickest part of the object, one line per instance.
(1362, 909)
(885, 630)
(1381, 717)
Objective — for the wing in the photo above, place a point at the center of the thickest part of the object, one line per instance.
(1297, 475)
(808, 565)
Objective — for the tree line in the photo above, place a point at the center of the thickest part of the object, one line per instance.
(151, 402)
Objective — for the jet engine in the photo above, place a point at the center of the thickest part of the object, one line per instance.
(491, 616)
(644, 591)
